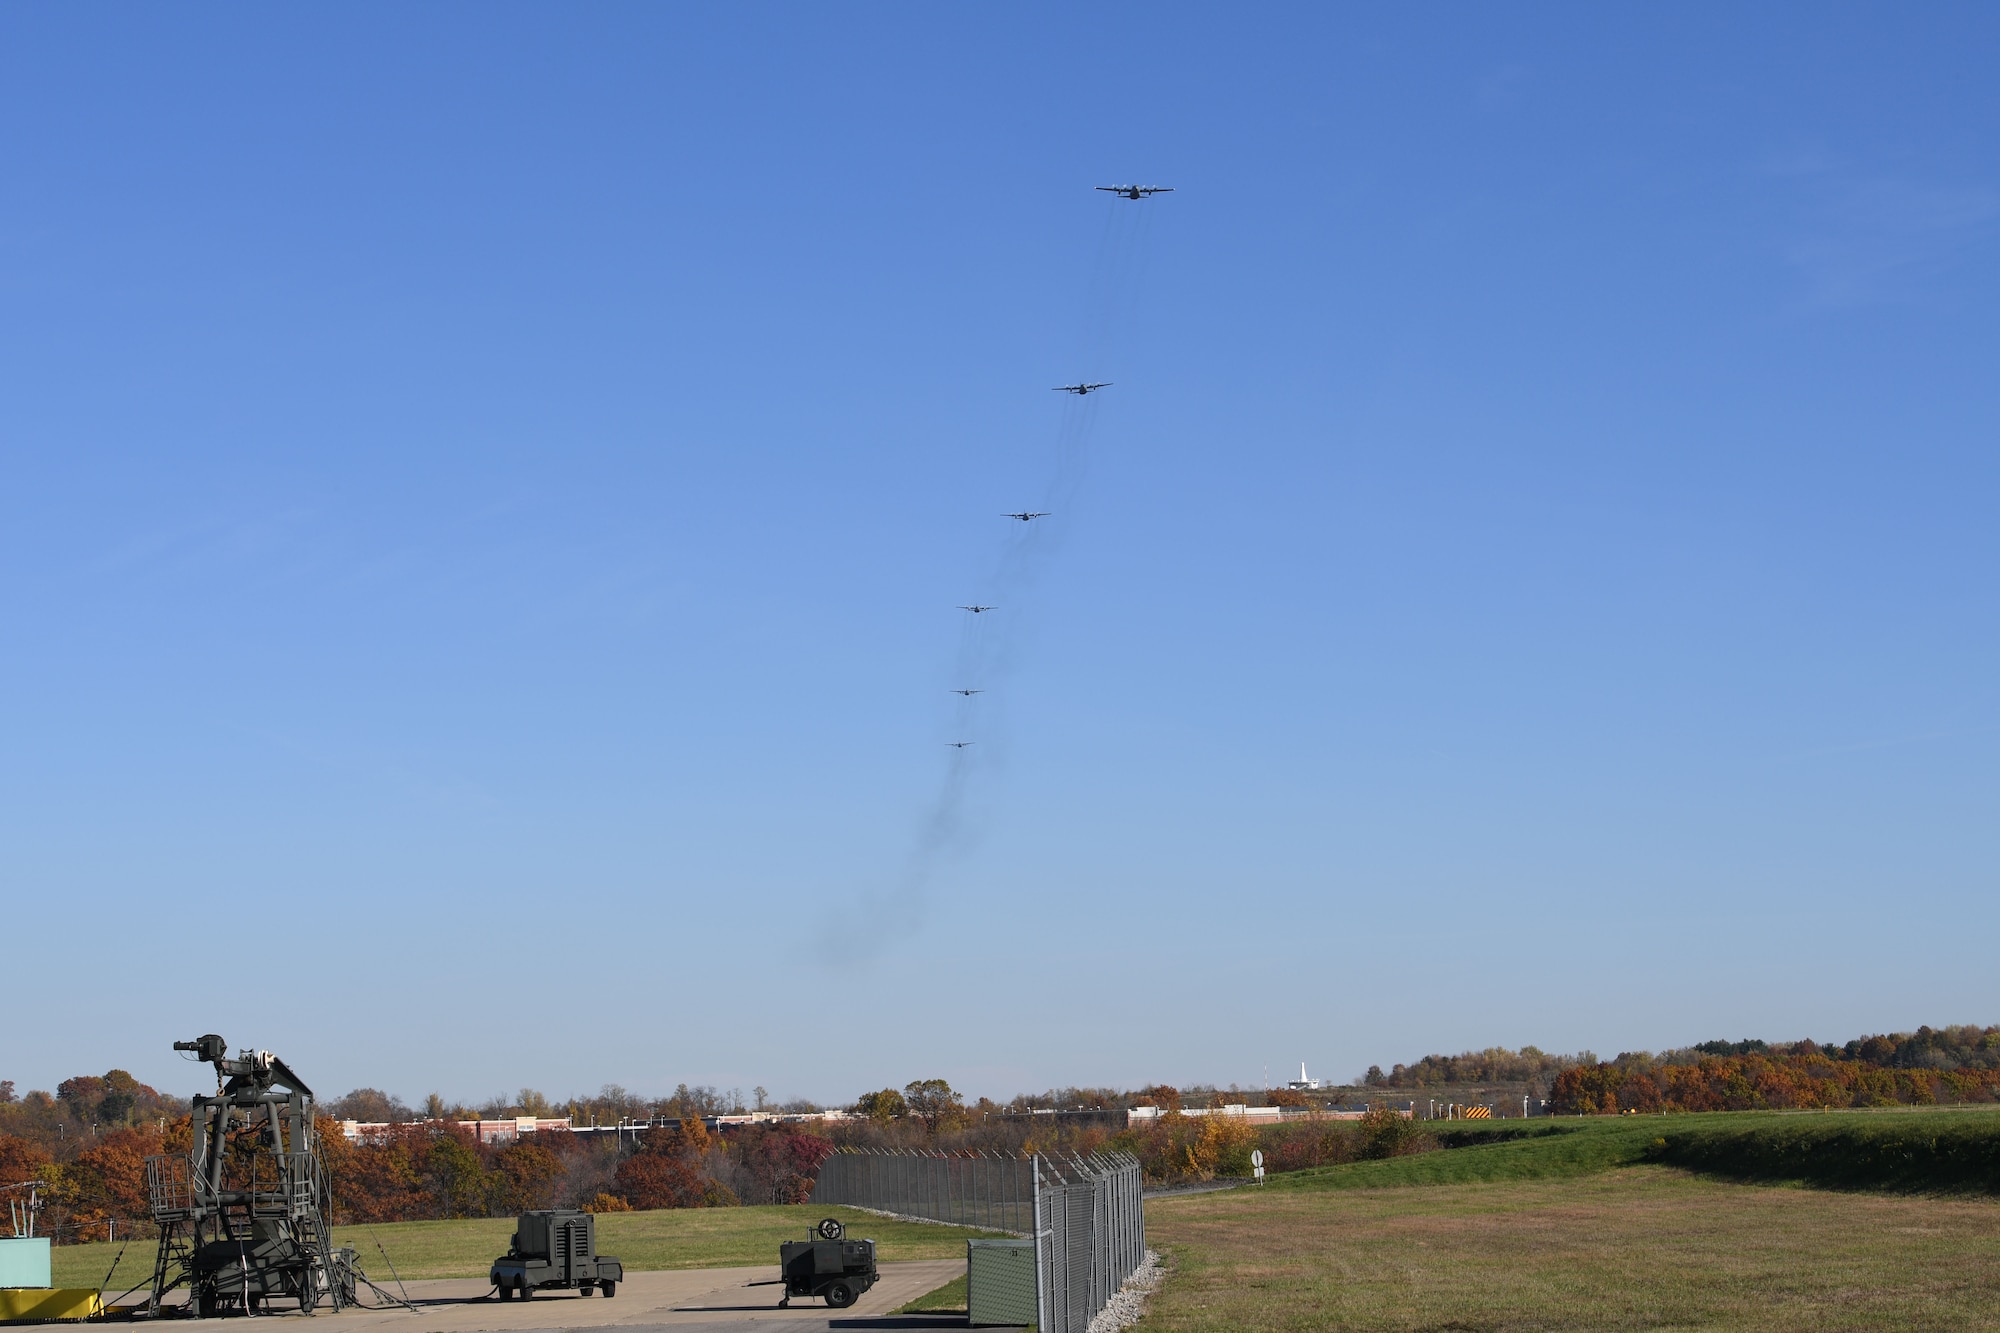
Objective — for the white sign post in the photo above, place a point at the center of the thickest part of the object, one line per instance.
(1257, 1163)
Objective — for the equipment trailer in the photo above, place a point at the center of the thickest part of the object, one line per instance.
(555, 1249)
(832, 1267)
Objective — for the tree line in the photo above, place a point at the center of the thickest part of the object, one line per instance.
(1949, 1048)
(1802, 1076)
(84, 1145)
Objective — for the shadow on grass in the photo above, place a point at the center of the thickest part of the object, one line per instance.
(1903, 1154)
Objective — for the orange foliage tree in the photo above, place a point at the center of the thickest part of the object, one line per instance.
(666, 1172)
(1758, 1082)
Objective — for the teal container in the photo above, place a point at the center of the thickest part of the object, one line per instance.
(24, 1262)
(1000, 1282)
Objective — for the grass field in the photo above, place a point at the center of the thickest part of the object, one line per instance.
(672, 1238)
(1582, 1228)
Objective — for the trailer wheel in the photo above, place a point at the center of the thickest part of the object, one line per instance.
(840, 1295)
(527, 1293)
(506, 1293)
(583, 1289)
(609, 1289)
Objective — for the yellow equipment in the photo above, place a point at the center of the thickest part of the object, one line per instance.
(23, 1304)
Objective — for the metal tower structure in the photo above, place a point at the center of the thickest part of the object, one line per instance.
(243, 1217)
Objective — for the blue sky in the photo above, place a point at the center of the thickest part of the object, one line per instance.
(484, 492)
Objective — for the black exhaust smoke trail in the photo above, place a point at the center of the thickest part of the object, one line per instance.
(989, 640)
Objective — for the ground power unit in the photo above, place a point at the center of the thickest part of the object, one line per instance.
(555, 1249)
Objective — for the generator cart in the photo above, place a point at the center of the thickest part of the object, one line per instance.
(829, 1266)
(555, 1248)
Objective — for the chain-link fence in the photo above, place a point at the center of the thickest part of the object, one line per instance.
(1083, 1213)
(1090, 1234)
(997, 1193)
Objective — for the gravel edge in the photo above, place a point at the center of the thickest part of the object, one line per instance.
(1128, 1303)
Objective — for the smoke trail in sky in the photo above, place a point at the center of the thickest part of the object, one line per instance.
(990, 641)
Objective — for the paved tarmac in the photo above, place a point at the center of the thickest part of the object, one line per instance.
(683, 1301)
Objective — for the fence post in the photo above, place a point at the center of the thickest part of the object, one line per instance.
(1042, 1274)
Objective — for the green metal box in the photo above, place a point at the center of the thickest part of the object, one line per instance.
(1000, 1282)
(24, 1262)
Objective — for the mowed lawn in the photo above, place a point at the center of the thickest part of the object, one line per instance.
(1634, 1246)
(670, 1238)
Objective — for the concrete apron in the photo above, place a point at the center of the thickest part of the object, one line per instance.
(686, 1298)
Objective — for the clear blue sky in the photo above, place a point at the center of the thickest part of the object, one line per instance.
(484, 489)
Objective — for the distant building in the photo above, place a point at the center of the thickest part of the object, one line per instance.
(1139, 1115)
(1302, 1083)
(486, 1131)
(508, 1128)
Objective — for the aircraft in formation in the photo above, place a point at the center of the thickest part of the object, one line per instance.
(1029, 516)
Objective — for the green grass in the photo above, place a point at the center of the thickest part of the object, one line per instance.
(1934, 1151)
(668, 1238)
(1603, 1223)
(1638, 1247)
(950, 1298)
(1583, 1150)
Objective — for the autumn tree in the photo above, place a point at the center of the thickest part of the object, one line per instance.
(883, 1106)
(655, 1180)
(20, 1160)
(933, 1101)
(381, 1181)
(457, 1177)
(370, 1105)
(667, 1171)
(779, 1165)
(1387, 1132)
(698, 1101)
(529, 1175)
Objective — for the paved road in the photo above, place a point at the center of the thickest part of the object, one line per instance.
(685, 1301)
